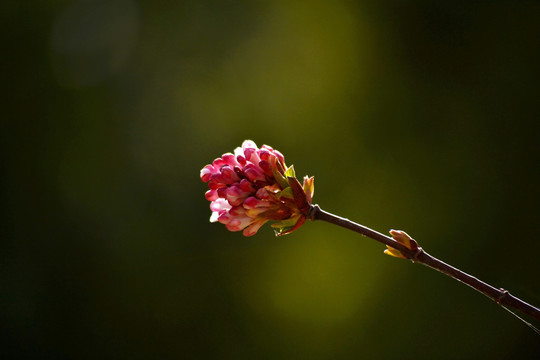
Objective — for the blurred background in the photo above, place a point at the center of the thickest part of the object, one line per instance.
(421, 116)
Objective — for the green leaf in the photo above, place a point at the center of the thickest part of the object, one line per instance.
(286, 193)
(281, 180)
(289, 225)
(290, 172)
(284, 225)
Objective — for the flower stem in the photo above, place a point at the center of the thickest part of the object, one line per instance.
(500, 296)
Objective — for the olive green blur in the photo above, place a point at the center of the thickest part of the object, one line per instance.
(421, 116)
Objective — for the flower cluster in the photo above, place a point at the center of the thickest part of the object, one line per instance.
(254, 186)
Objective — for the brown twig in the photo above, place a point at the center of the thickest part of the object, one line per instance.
(418, 255)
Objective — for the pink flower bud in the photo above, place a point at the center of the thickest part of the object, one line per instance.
(211, 195)
(207, 172)
(228, 175)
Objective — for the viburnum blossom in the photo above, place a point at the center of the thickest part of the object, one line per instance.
(254, 186)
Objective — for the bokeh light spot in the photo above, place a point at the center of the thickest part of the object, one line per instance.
(92, 40)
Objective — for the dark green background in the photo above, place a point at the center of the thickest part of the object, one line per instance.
(421, 116)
